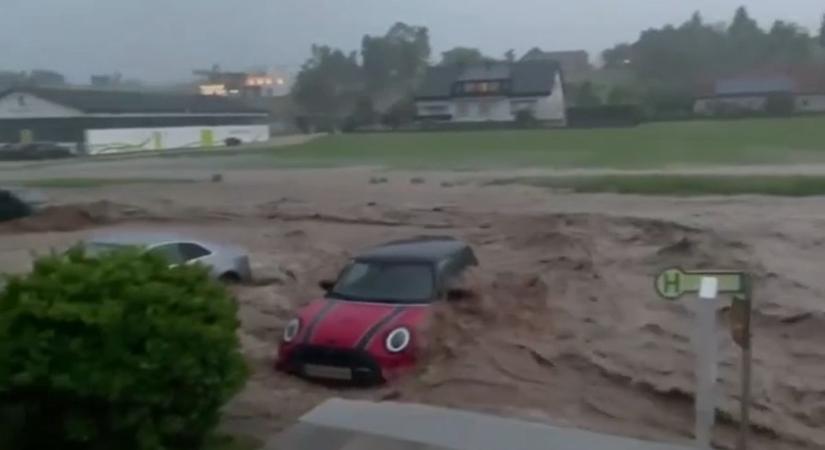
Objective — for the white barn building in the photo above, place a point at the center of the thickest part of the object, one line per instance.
(106, 121)
(493, 92)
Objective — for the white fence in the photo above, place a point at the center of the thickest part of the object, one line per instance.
(117, 140)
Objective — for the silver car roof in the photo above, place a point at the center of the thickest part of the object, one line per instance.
(150, 238)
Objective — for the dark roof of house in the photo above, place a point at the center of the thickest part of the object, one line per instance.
(422, 249)
(125, 102)
(487, 71)
(526, 77)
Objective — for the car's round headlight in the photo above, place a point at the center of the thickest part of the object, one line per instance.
(291, 330)
(398, 340)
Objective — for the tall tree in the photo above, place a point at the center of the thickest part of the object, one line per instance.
(329, 82)
(9, 78)
(510, 56)
(398, 57)
(618, 56)
(743, 26)
(42, 77)
(787, 44)
(463, 56)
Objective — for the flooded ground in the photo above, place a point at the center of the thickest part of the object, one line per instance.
(566, 327)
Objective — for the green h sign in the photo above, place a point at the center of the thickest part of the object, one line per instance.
(671, 284)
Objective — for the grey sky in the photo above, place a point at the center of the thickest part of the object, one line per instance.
(162, 40)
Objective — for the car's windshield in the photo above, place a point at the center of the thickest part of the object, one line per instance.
(386, 282)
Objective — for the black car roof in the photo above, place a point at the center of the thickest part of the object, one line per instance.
(421, 249)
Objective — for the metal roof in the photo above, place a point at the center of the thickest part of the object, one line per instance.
(487, 71)
(357, 425)
(137, 238)
(423, 249)
(125, 102)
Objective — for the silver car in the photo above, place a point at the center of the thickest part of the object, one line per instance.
(225, 263)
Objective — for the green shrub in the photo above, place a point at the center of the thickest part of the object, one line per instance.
(525, 118)
(115, 352)
(780, 104)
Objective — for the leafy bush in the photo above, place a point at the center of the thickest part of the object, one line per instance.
(525, 118)
(400, 113)
(780, 104)
(118, 351)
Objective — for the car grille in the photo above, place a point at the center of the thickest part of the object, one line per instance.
(364, 368)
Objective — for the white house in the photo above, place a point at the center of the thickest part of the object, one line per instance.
(493, 92)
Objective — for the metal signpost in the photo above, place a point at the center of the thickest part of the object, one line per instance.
(671, 285)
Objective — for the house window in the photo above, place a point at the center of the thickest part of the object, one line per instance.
(481, 87)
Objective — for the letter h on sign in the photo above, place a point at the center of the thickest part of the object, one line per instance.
(671, 283)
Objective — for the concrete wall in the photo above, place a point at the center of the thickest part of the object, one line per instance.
(810, 103)
(552, 108)
(115, 140)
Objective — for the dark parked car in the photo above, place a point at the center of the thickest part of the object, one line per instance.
(12, 206)
(34, 151)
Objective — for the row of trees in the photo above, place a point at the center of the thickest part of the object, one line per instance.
(671, 60)
(38, 77)
(334, 84)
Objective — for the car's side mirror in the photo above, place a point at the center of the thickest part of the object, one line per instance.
(326, 285)
(456, 294)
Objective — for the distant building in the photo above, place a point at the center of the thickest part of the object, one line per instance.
(247, 85)
(750, 92)
(102, 121)
(493, 92)
(575, 64)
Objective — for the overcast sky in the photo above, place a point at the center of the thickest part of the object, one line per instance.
(163, 40)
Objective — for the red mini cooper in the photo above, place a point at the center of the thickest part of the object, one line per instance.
(368, 327)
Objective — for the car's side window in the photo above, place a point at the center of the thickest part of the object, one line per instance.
(447, 271)
(190, 251)
(171, 252)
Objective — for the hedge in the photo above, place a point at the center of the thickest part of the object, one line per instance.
(117, 351)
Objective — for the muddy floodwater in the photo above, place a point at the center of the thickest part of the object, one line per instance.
(565, 328)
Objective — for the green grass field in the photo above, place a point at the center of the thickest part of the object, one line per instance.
(654, 145)
(681, 185)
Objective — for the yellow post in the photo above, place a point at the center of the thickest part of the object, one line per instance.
(26, 136)
(157, 140)
(207, 137)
